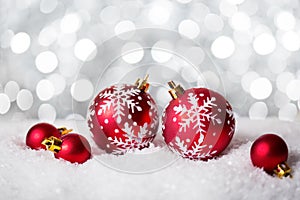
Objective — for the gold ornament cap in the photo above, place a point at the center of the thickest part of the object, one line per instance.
(52, 144)
(143, 84)
(176, 90)
(64, 130)
(283, 170)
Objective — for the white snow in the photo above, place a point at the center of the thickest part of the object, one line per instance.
(29, 174)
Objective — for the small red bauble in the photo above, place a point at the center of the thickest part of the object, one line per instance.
(123, 117)
(198, 123)
(71, 147)
(41, 131)
(270, 152)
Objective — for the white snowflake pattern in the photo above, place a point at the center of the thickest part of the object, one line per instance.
(154, 116)
(132, 141)
(196, 114)
(195, 152)
(119, 98)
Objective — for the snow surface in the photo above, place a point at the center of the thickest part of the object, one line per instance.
(154, 173)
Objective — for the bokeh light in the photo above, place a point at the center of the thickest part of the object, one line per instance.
(4, 103)
(20, 43)
(159, 13)
(46, 62)
(85, 49)
(261, 88)
(189, 28)
(161, 51)
(45, 90)
(24, 99)
(11, 89)
(223, 47)
(264, 44)
(132, 52)
(70, 23)
(82, 90)
(258, 111)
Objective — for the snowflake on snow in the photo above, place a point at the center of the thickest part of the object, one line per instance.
(196, 115)
(119, 98)
(132, 141)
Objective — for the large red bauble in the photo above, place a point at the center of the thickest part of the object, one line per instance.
(123, 117)
(199, 124)
(268, 151)
(74, 148)
(38, 133)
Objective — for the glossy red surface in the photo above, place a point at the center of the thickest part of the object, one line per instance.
(38, 133)
(75, 148)
(123, 117)
(198, 124)
(268, 151)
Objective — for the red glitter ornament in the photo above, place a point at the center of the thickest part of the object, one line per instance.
(41, 131)
(123, 117)
(71, 147)
(198, 123)
(270, 152)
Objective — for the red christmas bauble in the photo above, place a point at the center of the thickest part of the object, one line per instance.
(123, 117)
(198, 123)
(38, 133)
(74, 148)
(268, 151)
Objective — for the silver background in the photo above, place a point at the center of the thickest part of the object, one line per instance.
(253, 43)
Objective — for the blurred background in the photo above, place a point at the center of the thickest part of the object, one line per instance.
(53, 59)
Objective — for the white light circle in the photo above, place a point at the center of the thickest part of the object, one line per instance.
(11, 89)
(189, 28)
(70, 23)
(240, 21)
(285, 20)
(160, 51)
(20, 43)
(258, 111)
(247, 79)
(291, 41)
(261, 88)
(85, 49)
(47, 36)
(283, 80)
(264, 44)
(45, 90)
(293, 90)
(288, 112)
(24, 99)
(159, 14)
(82, 90)
(47, 113)
(46, 62)
(223, 47)
(132, 52)
(213, 22)
(48, 6)
(125, 29)
(58, 82)
(4, 103)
